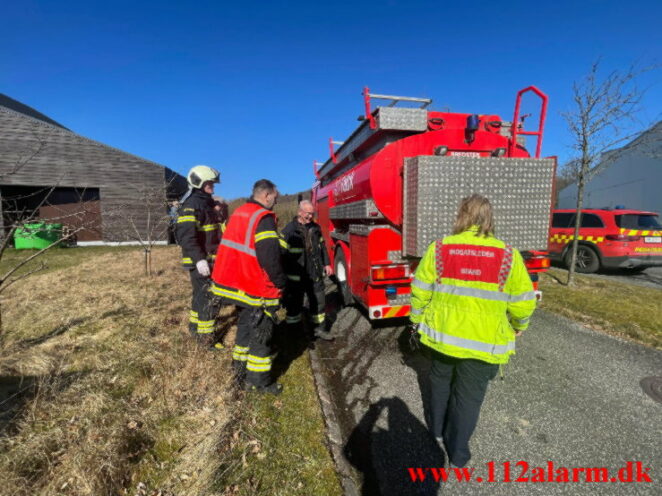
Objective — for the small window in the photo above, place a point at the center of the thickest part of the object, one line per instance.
(636, 221)
(591, 220)
(562, 219)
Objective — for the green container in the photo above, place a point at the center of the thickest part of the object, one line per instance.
(36, 236)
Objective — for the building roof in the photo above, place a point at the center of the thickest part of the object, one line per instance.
(62, 140)
(647, 141)
(10, 105)
(24, 109)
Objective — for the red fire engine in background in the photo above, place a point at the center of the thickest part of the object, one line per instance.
(394, 186)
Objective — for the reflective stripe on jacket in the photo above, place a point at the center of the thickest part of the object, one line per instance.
(198, 229)
(468, 294)
(306, 254)
(238, 275)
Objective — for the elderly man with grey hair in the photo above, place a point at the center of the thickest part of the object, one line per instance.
(306, 264)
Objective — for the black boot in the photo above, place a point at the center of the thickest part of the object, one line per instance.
(274, 388)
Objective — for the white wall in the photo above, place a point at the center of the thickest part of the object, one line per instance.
(633, 180)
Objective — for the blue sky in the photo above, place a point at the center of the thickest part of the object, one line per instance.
(256, 89)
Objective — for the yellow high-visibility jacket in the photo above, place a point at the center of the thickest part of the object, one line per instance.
(468, 295)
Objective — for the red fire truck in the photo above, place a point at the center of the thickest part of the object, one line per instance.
(395, 184)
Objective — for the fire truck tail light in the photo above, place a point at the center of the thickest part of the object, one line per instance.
(386, 273)
(537, 263)
(622, 237)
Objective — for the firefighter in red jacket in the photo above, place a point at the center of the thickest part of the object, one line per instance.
(198, 231)
(249, 273)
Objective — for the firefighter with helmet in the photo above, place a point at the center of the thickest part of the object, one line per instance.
(199, 232)
(249, 273)
(306, 263)
(471, 297)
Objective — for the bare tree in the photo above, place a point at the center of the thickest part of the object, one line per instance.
(605, 110)
(145, 222)
(21, 210)
(19, 220)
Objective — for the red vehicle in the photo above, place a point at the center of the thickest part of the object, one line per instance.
(395, 184)
(608, 238)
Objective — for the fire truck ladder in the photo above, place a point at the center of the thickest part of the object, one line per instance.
(516, 124)
(425, 102)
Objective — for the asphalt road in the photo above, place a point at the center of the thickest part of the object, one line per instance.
(570, 396)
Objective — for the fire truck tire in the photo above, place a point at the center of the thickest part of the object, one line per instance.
(587, 261)
(340, 271)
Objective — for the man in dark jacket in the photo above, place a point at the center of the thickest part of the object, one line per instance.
(306, 264)
(198, 233)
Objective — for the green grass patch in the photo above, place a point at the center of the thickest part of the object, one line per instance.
(617, 308)
(278, 443)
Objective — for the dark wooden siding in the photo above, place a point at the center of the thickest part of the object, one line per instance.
(33, 152)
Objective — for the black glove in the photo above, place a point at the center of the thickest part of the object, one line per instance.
(414, 337)
(263, 326)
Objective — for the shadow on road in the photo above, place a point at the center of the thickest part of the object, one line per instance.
(384, 438)
(419, 361)
(383, 454)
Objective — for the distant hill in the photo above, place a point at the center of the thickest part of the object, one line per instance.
(285, 209)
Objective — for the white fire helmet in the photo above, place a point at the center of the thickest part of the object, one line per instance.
(200, 174)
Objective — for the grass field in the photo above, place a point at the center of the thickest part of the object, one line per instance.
(103, 392)
(621, 309)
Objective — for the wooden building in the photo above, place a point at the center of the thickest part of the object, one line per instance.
(45, 166)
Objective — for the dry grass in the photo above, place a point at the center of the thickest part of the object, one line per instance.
(102, 390)
(624, 310)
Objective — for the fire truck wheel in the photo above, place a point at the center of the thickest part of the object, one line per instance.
(587, 260)
(340, 271)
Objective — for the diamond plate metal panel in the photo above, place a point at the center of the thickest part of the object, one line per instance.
(402, 119)
(365, 229)
(360, 229)
(395, 256)
(520, 190)
(363, 209)
(343, 236)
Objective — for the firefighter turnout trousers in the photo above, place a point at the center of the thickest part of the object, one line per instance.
(252, 353)
(293, 300)
(203, 307)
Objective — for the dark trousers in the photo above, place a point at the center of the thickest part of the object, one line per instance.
(316, 300)
(203, 307)
(252, 353)
(458, 389)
